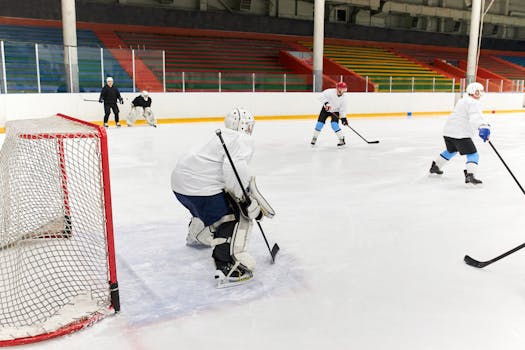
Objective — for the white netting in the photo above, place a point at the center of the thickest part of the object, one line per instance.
(53, 248)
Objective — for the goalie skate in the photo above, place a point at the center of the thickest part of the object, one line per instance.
(232, 278)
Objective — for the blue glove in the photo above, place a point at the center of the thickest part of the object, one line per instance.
(484, 133)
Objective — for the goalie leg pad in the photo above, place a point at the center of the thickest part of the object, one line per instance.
(221, 252)
(134, 113)
(266, 208)
(198, 234)
(239, 244)
(150, 117)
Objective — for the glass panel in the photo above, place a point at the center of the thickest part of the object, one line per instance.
(202, 81)
(118, 64)
(52, 69)
(174, 81)
(148, 70)
(299, 82)
(236, 82)
(2, 89)
(20, 67)
(89, 69)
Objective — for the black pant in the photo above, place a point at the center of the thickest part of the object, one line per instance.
(324, 114)
(107, 109)
(463, 146)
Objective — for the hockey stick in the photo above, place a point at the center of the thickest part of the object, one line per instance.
(480, 264)
(358, 134)
(376, 141)
(273, 251)
(506, 166)
(88, 100)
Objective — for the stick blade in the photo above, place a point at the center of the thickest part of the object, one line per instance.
(274, 251)
(373, 141)
(473, 262)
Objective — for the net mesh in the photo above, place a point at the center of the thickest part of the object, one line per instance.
(53, 249)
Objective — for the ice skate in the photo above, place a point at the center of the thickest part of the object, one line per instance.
(118, 125)
(434, 169)
(227, 275)
(106, 125)
(470, 179)
(314, 140)
(341, 142)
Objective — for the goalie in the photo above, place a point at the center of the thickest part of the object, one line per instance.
(141, 107)
(204, 183)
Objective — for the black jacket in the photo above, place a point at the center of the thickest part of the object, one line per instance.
(110, 95)
(141, 101)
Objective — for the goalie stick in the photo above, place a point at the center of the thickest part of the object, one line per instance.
(273, 251)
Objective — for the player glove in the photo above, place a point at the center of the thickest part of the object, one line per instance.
(344, 121)
(484, 132)
(327, 107)
(101, 100)
(121, 101)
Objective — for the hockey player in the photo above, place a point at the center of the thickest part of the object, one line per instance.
(204, 182)
(109, 96)
(334, 106)
(466, 117)
(141, 107)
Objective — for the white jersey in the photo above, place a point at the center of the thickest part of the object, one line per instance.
(466, 117)
(208, 171)
(337, 103)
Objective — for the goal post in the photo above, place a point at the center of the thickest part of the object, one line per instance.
(57, 255)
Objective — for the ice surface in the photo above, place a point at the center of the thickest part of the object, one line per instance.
(371, 246)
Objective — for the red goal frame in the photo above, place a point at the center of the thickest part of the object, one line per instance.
(100, 132)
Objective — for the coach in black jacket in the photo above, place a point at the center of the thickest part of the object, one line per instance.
(109, 95)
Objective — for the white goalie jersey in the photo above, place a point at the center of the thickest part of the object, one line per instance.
(207, 171)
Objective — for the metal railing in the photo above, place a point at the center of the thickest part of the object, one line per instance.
(42, 68)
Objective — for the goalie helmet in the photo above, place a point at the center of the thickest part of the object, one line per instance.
(475, 89)
(144, 94)
(240, 119)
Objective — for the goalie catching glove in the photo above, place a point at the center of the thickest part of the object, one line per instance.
(256, 206)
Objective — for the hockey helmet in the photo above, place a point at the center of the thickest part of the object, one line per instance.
(144, 93)
(475, 89)
(109, 80)
(341, 85)
(240, 119)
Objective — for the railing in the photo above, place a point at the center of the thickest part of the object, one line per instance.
(39, 68)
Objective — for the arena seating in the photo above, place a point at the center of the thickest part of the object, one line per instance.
(19, 46)
(202, 58)
(387, 70)
(199, 61)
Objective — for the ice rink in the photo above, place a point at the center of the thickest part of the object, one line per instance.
(371, 246)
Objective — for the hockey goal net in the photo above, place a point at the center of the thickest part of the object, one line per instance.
(57, 260)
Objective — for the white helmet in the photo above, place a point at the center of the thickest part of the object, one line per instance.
(144, 93)
(240, 120)
(472, 88)
(109, 79)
